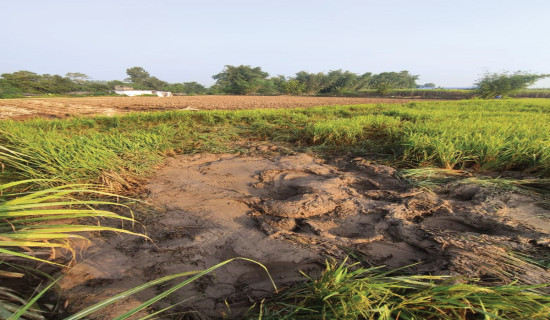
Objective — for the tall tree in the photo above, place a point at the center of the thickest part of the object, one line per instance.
(240, 80)
(294, 87)
(56, 84)
(186, 87)
(339, 82)
(77, 77)
(396, 80)
(137, 75)
(9, 91)
(491, 85)
(313, 82)
(386, 81)
(25, 81)
(141, 79)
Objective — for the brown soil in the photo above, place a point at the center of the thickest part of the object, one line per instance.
(291, 213)
(66, 107)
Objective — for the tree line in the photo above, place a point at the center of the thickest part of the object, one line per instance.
(240, 80)
(247, 80)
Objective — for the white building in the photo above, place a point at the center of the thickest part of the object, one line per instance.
(133, 93)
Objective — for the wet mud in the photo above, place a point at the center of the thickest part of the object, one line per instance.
(291, 213)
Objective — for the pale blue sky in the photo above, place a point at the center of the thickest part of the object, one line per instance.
(450, 43)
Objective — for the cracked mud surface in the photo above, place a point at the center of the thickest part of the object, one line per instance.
(291, 213)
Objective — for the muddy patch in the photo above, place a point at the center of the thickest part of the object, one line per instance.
(291, 213)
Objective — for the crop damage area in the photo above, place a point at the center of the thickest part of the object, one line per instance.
(291, 212)
(419, 210)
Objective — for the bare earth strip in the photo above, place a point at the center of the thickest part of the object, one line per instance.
(66, 107)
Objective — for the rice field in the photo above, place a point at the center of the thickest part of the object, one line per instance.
(60, 159)
(476, 135)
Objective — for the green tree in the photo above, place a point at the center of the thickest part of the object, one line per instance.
(141, 79)
(394, 80)
(154, 83)
(294, 87)
(8, 91)
(30, 82)
(137, 75)
(383, 87)
(116, 83)
(272, 86)
(25, 81)
(56, 84)
(341, 82)
(240, 80)
(186, 87)
(428, 85)
(313, 82)
(364, 81)
(77, 77)
(278, 84)
(98, 87)
(491, 85)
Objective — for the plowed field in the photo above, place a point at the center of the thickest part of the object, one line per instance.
(66, 107)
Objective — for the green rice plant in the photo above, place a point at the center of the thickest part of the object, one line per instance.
(43, 154)
(27, 220)
(95, 309)
(346, 292)
(481, 135)
(532, 93)
(12, 307)
(33, 227)
(350, 131)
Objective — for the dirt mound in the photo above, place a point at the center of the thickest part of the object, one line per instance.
(291, 213)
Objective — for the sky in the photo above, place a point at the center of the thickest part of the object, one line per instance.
(449, 43)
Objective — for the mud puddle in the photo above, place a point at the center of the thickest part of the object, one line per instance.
(293, 212)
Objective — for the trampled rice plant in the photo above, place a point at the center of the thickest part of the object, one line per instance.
(349, 292)
(346, 292)
(33, 228)
(29, 311)
(495, 135)
(485, 135)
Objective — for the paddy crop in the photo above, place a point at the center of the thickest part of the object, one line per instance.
(345, 292)
(487, 135)
(478, 135)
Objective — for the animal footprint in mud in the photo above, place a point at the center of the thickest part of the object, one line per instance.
(420, 205)
(299, 206)
(299, 194)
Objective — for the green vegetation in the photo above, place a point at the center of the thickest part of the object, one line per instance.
(33, 227)
(13, 85)
(141, 79)
(481, 135)
(246, 80)
(20, 212)
(122, 296)
(338, 82)
(240, 80)
(493, 135)
(344, 292)
(192, 88)
(505, 84)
